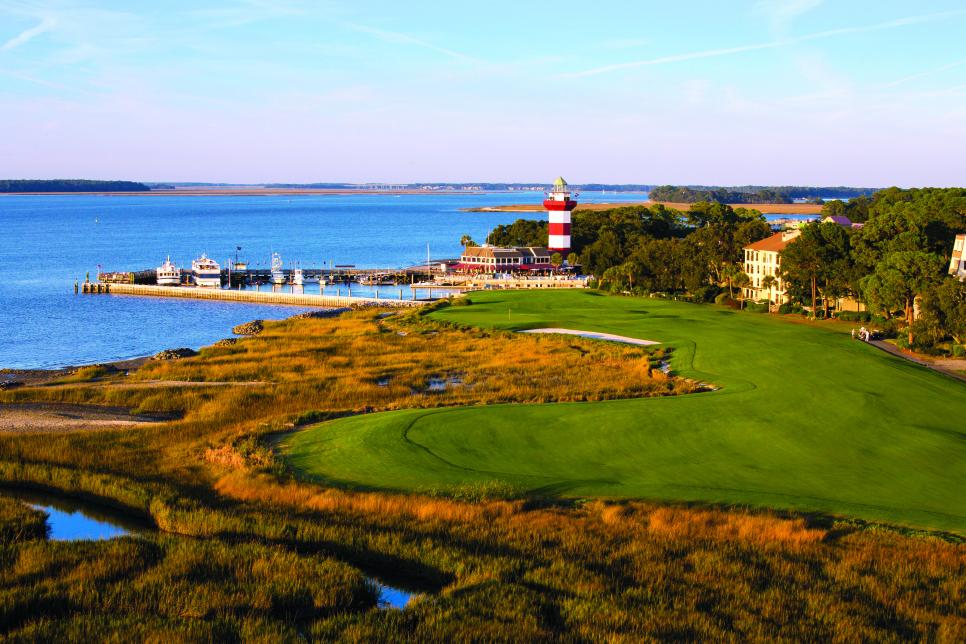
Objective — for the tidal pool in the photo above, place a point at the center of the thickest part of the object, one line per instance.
(70, 519)
(391, 597)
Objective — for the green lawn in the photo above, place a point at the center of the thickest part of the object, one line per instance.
(806, 419)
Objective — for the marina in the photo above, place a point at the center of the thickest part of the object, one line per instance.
(340, 240)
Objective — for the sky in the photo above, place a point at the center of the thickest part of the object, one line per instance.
(766, 92)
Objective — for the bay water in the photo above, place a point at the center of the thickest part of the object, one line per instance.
(48, 242)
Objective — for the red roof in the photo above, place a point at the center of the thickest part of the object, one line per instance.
(776, 243)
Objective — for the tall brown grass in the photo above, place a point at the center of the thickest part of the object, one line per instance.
(266, 556)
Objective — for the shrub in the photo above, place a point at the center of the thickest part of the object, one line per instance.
(854, 316)
(723, 298)
(959, 351)
(756, 307)
(789, 308)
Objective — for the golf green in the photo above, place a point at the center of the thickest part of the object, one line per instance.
(806, 419)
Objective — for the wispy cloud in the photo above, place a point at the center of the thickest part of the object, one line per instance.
(400, 38)
(30, 79)
(25, 36)
(625, 43)
(781, 13)
(774, 44)
(924, 74)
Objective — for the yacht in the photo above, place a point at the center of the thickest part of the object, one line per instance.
(278, 274)
(297, 278)
(168, 274)
(205, 272)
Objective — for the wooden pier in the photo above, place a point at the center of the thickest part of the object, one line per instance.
(253, 297)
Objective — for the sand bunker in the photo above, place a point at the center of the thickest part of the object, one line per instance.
(594, 336)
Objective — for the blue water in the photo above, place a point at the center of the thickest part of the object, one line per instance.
(48, 242)
(74, 520)
(390, 597)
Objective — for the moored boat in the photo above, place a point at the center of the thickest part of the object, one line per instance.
(205, 272)
(278, 273)
(298, 279)
(168, 274)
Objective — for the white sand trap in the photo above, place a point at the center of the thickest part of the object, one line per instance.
(594, 336)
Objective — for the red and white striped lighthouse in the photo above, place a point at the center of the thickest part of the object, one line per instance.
(559, 204)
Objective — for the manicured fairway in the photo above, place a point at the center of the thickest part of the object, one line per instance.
(806, 419)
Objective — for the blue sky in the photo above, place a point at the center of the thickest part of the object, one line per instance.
(763, 91)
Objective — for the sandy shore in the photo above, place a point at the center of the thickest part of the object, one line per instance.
(29, 377)
(56, 418)
(765, 208)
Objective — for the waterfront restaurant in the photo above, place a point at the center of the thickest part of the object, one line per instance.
(491, 259)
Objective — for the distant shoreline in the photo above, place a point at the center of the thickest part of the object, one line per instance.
(764, 208)
(249, 192)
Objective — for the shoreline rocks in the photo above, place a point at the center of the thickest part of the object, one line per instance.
(325, 313)
(174, 354)
(249, 328)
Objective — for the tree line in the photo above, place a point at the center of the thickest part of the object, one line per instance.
(755, 194)
(896, 263)
(70, 185)
(685, 194)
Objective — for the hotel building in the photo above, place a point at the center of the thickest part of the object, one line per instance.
(763, 259)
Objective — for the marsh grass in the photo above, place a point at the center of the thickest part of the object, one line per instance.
(260, 555)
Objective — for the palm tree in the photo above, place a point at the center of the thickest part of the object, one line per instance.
(767, 283)
(741, 280)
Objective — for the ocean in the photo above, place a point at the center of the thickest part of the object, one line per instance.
(48, 242)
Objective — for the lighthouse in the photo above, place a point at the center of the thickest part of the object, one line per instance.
(559, 205)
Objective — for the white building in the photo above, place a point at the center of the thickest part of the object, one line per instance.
(763, 259)
(957, 265)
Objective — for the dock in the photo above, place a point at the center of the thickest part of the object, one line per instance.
(253, 297)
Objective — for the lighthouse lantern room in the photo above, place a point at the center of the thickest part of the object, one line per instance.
(559, 204)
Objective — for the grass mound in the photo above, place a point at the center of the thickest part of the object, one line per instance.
(806, 419)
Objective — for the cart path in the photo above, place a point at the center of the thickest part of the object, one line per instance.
(940, 366)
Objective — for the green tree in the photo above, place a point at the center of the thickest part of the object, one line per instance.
(942, 313)
(556, 260)
(767, 283)
(742, 281)
(729, 274)
(606, 252)
(802, 262)
(899, 279)
(819, 261)
(466, 241)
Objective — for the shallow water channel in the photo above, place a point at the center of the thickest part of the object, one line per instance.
(70, 519)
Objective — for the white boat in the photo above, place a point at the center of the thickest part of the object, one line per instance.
(278, 274)
(168, 274)
(205, 272)
(297, 278)
(311, 279)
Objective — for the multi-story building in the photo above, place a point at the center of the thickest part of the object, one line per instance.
(763, 260)
(957, 265)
